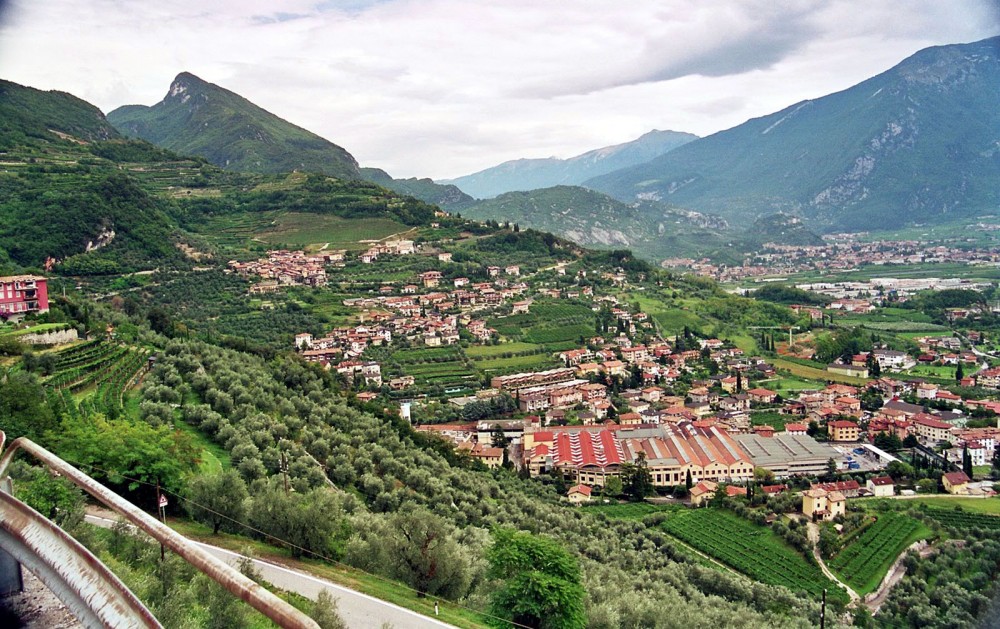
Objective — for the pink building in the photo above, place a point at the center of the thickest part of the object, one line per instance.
(23, 294)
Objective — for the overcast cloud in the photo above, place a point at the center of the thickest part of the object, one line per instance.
(443, 88)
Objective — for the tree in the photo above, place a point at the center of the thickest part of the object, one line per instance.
(966, 461)
(874, 368)
(23, 408)
(831, 470)
(539, 581)
(910, 441)
(889, 442)
(959, 372)
(613, 486)
(739, 382)
(131, 454)
(763, 475)
(425, 555)
(637, 481)
(218, 500)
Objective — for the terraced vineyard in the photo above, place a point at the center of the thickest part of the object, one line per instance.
(106, 369)
(864, 562)
(753, 550)
(964, 519)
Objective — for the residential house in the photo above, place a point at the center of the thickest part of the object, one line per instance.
(579, 494)
(820, 504)
(881, 486)
(956, 483)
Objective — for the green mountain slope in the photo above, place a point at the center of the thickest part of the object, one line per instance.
(448, 197)
(593, 219)
(917, 143)
(200, 118)
(29, 115)
(531, 174)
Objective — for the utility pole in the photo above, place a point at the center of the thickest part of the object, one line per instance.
(284, 470)
(822, 612)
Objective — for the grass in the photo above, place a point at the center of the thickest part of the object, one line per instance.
(773, 419)
(524, 363)
(489, 351)
(864, 563)
(296, 228)
(631, 510)
(975, 505)
(815, 373)
(378, 587)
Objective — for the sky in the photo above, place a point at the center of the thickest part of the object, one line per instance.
(443, 88)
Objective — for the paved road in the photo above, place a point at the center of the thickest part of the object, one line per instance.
(358, 610)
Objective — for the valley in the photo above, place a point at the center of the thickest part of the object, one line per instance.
(728, 411)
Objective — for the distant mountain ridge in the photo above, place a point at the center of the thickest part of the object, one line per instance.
(917, 143)
(531, 174)
(447, 196)
(200, 118)
(593, 219)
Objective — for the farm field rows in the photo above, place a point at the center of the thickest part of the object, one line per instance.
(964, 519)
(753, 550)
(632, 510)
(864, 562)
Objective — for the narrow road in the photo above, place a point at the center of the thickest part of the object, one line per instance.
(358, 610)
(813, 529)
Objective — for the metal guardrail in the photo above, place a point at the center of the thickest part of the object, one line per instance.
(279, 611)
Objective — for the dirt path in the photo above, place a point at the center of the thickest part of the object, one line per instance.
(813, 530)
(896, 573)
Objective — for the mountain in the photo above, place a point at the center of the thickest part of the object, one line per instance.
(530, 174)
(593, 219)
(28, 114)
(448, 197)
(200, 118)
(917, 143)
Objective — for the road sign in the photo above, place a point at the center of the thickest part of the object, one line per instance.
(163, 501)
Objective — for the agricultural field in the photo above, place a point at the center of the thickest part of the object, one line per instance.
(428, 354)
(808, 372)
(445, 374)
(963, 519)
(547, 335)
(295, 228)
(865, 561)
(631, 510)
(96, 373)
(531, 362)
(773, 419)
(753, 550)
(492, 351)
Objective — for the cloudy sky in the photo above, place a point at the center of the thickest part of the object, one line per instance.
(443, 88)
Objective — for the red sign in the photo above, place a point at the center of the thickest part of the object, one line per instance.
(163, 501)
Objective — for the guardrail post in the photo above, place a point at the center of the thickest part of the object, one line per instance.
(11, 580)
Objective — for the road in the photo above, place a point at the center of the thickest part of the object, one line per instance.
(813, 530)
(357, 609)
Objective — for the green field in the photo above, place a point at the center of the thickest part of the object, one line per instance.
(963, 519)
(864, 563)
(295, 228)
(753, 550)
(773, 419)
(300, 229)
(490, 351)
(975, 505)
(814, 373)
(531, 362)
(546, 334)
(631, 510)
